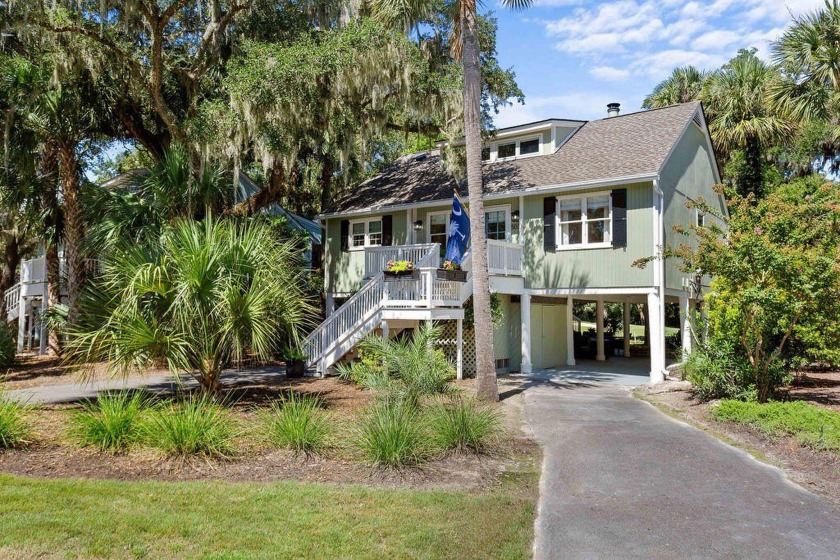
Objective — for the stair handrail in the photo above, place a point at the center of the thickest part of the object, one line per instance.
(354, 312)
(12, 296)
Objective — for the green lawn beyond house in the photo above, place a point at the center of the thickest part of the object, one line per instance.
(86, 518)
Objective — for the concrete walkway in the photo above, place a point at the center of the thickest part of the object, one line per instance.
(622, 480)
(160, 384)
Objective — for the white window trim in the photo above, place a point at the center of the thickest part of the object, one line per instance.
(698, 214)
(367, 222)
(429, 215)
(494, 148)
(607, 243)
(506, 209)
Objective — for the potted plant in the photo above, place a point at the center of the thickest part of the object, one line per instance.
(295, 362)
(451, 272)
(399, 270)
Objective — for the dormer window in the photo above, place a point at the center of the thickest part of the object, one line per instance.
(512, 149)
(506, 150)
(528, 147)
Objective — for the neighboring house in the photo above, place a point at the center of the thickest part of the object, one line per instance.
(24, 300)
(569, 206)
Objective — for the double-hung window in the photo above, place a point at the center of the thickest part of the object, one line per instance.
(439, 229)
(584, 221)
(496, 224)
(366, 233)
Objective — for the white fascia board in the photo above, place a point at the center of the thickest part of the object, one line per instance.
(523, 129)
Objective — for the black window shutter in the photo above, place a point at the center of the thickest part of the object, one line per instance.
(345, 235)
(549, 224)
(619, 218)
(387, 230)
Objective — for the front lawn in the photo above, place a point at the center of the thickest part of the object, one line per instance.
(87, 518)
(812, 426)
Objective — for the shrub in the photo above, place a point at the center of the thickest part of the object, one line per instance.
(716, 370)
(14, 427)
(813, 426)
(410, 369)
(391, 434)
(112, 422)
(8, 345)
(299, 423)
(195, 426)
(462, 425)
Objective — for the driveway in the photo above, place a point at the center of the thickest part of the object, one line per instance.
(622, 480)
(158, 384)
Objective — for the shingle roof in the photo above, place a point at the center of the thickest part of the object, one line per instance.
(635, 144)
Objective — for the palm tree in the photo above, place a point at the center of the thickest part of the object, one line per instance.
(740, 117)
(465, 47)
(203, 297)
(683, 85)
(807, 55)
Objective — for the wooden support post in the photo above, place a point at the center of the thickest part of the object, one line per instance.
(570, 331)
(627, 320)
(599, 328)
(459, 360)
(525, 319)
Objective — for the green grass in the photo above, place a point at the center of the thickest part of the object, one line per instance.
(194, 426)
(15, 428)
(637, 331)
(812, 426)
(298, 423)
(463, 425)
(111, 519)
(111, 422)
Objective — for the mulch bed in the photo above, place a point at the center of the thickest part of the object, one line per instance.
(51, 455)
(818, 471)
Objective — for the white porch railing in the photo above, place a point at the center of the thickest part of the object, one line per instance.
(377, 257)
(353, 320)
(504, 258)
(12, 297)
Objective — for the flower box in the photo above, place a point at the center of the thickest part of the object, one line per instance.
(451, 275)
(401, 276)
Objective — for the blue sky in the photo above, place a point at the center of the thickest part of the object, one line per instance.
(572, 57)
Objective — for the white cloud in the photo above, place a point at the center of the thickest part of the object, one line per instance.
(716, 40)
(577, 105)
(609, 74)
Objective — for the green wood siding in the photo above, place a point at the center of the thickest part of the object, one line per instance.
(591, 268)
(345, 270)
(689, 174)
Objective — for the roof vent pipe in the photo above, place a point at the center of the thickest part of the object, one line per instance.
(613, 109)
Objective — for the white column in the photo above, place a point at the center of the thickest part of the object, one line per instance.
(570, 331)
(23, 311)
(599, 328)
(459, 360)
(657, 339)
(525, 317)
(685, 326)
(385, 330)
(626, 329)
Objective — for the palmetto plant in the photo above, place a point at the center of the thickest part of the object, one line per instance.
(807, 54)
(683, 85)
(203, 297)
(741, 118)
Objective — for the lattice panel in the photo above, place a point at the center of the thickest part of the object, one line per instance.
(448, 342)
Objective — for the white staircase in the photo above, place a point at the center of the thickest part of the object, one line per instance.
(12, 296)
(366, 309)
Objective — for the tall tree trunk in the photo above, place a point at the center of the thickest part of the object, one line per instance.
(74, 228)
(486, 385)
(52, 227)
(325, 181)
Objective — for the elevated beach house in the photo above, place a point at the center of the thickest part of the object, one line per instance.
(569, 206)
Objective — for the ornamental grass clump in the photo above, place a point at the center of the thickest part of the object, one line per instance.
(298, 422)
(112, 422)
(391, 434)
(462, 425)
(197, 425)
(15, 429)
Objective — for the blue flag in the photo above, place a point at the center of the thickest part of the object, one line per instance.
(458, 237)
